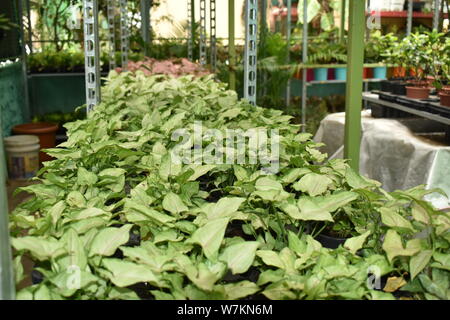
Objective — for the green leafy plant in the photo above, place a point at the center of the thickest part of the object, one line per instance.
(114, 217)
(378, 45)
(324, 51)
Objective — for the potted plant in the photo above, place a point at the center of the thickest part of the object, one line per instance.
(374, 50)
(416, 59)
(323, 52)
(439, 68)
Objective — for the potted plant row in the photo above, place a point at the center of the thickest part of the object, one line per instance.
(423, 64)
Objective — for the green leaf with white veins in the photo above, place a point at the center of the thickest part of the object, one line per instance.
(56, 211)
(40, 248)
(199, 170)
(76, 199)
(392, 219)
(75, 250)
(86, 178)
(356, 243)
(136, 212)
(108, 240)
(271, 258)
(393, 246)
(309, 210)
(418, 262)
(225, 207)
(270, 190)
(173, 203)
(89, 213)
(125, 273)
(240, 256)
(314, 184)
(210, 237)
(240, 290)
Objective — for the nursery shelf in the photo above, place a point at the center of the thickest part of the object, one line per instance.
(340, 81)
(371, 97)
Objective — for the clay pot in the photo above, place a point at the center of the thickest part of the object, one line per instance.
(445, 98)
(46, 133)
(417, 92)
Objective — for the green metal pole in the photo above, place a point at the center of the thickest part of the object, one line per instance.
(343, 20)
(231, 46)
(7, 287)
(353, 99)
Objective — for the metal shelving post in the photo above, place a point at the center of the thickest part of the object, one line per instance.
(410, 18)
(190, 29)
(203, 32)
(231, 46)
(146, 25)
(124, 40)
(304, 60)
(213, 39)
(111, 13)
(353, 97)
(250, 56)
(92, 54)
(436, 14)
(288, 56)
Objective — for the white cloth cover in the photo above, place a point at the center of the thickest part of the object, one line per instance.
(391, 154)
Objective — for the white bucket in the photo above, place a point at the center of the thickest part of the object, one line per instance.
(23, 156)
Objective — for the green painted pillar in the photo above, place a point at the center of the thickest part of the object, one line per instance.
(7, 287)
(353, 99)
(231, 45)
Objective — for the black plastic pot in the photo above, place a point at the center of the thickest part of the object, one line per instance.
(386, 86)
(330, 242)
(399, 88)
(378, 111)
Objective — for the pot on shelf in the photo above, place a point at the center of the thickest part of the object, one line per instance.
(340, 73)
(399, 88)
(321, 74)
(367, 73)
(46, 132)
(380, 72)
(444, 95)
(417, 92)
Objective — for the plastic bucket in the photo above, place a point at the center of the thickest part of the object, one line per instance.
(340, 73)
(46, 133)
(379, 72)
(23, 156)
(321, 74)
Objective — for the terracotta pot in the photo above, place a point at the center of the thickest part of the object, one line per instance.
(417, 92)
(46, 133)
(445, 99)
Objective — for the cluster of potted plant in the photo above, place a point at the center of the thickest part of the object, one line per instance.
(423, 66)
(117, 214)
(374, 49)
